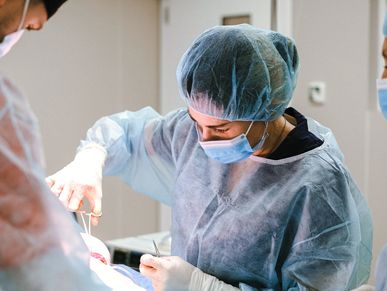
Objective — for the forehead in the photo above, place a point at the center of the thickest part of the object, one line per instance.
(205, 119)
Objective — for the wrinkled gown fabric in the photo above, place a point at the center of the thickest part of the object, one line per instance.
(298, 223)
(381, 270)
(40, 248)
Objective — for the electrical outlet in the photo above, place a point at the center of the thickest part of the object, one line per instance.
(317, 92)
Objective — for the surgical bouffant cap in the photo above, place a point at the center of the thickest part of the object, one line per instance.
(239, 73)
(52, 6)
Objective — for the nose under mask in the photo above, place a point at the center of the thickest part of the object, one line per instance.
(234, 150)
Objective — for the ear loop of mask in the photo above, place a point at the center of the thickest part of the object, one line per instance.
(26, 5)
(248, 130)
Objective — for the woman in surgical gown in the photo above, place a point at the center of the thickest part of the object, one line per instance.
(261, 198)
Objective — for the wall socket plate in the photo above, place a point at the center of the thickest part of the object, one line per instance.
(317, 92)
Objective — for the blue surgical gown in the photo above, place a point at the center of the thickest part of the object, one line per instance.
(381, 271)
(298, 223)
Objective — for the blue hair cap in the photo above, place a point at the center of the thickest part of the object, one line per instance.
(239, 72)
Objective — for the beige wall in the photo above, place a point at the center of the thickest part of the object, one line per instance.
(98, 57)
(337, 45)
(335, 50)
(93, 58)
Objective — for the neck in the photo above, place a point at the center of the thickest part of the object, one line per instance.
(278, 130)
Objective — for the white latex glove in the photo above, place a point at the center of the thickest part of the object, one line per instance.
(81, 178)
(175, 274)
(364, 288)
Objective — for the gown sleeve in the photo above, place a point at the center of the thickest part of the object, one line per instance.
(140, 149)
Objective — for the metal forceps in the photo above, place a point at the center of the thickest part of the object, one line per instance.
(156, 248)
(89, 215)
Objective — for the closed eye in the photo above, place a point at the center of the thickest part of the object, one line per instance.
(221, 130)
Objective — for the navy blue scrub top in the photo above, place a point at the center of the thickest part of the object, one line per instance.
(298, 141)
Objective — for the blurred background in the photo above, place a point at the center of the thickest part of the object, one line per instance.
(98, 57)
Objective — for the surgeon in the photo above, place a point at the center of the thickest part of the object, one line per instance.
(381, 84)
(381, 270)
(16, 16)
(40, 247)
(261, 198)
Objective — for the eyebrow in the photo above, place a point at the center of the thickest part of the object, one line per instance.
(210, 126)
(384, 53)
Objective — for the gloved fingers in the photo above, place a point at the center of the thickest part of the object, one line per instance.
(151, 261)
(95, 219)
(173, 259)
(156, 276)
(96, 209)
(364, 288)
(65, 194)
(148, 268)
(50, 181)
(148, 271)
(80, 205)
(153, 268)
(75, 200)
(56, 187)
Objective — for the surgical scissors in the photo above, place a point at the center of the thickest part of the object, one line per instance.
(156, 248)
(87, 227)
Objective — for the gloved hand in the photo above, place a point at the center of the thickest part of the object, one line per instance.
(364, 288)
(81, 178)
(175, 274)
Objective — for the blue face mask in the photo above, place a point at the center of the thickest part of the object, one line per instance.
(232, 150)
(381, 85)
